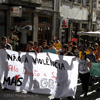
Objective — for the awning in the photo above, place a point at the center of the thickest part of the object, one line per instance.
(90, 33)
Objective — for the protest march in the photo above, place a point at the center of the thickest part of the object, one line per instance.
(56, 75)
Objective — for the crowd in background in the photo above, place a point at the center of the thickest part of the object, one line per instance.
(86, 53)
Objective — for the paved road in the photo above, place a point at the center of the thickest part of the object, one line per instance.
(12, 95)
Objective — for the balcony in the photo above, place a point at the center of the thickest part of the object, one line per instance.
(25, 3)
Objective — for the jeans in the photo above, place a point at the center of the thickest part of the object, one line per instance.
(85, 81)
(99, 81)
(90, 80)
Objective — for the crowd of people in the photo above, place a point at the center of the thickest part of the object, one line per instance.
(86, 53)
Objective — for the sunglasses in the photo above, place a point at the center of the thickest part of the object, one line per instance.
(96, 45)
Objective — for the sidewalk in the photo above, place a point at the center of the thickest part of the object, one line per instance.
(12, 95)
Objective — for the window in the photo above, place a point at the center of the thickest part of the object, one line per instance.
(75, 30)
(44, 28)
(85, 2)
(2, 17)
(25, 19)
(94, 3)
(44, 19)
(84, 27)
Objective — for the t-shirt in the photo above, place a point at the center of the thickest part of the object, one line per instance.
(7, 46)
(47, 47)
(83, 68)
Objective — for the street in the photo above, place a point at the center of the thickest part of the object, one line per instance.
(12, 95)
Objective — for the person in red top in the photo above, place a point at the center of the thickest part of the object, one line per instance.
(45, 46)
(35, 45)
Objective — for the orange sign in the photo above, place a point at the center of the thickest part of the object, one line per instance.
(74, 39)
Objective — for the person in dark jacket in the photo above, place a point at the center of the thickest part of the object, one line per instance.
(30, 47)
(65, 51)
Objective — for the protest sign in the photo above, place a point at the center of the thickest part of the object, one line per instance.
(53, 74)
(51, 51)
(95, 69)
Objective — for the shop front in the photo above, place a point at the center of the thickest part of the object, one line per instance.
(24, 25)
(44, 28)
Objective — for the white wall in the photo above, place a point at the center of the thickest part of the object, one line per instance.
(74, 13)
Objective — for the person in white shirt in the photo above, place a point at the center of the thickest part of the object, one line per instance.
(84, 72)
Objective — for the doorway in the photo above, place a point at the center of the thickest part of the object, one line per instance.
(44, 29)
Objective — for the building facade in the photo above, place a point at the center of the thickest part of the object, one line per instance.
(40, 16)
(24, 23)
(46, 23)
(81, 15)
(42, 19)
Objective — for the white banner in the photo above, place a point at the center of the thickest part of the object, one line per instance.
(38, 74)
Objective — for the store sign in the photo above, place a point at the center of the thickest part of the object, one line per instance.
(64, 23)
(16, 11)
(74, 39)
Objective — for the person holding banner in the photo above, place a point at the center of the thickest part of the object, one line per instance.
(29, 68)
(35, 45)
(39, 49)
(65, 52)
(84, 72)
(30, 47)
(51, 47)
(4, 44)
(45, 46)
